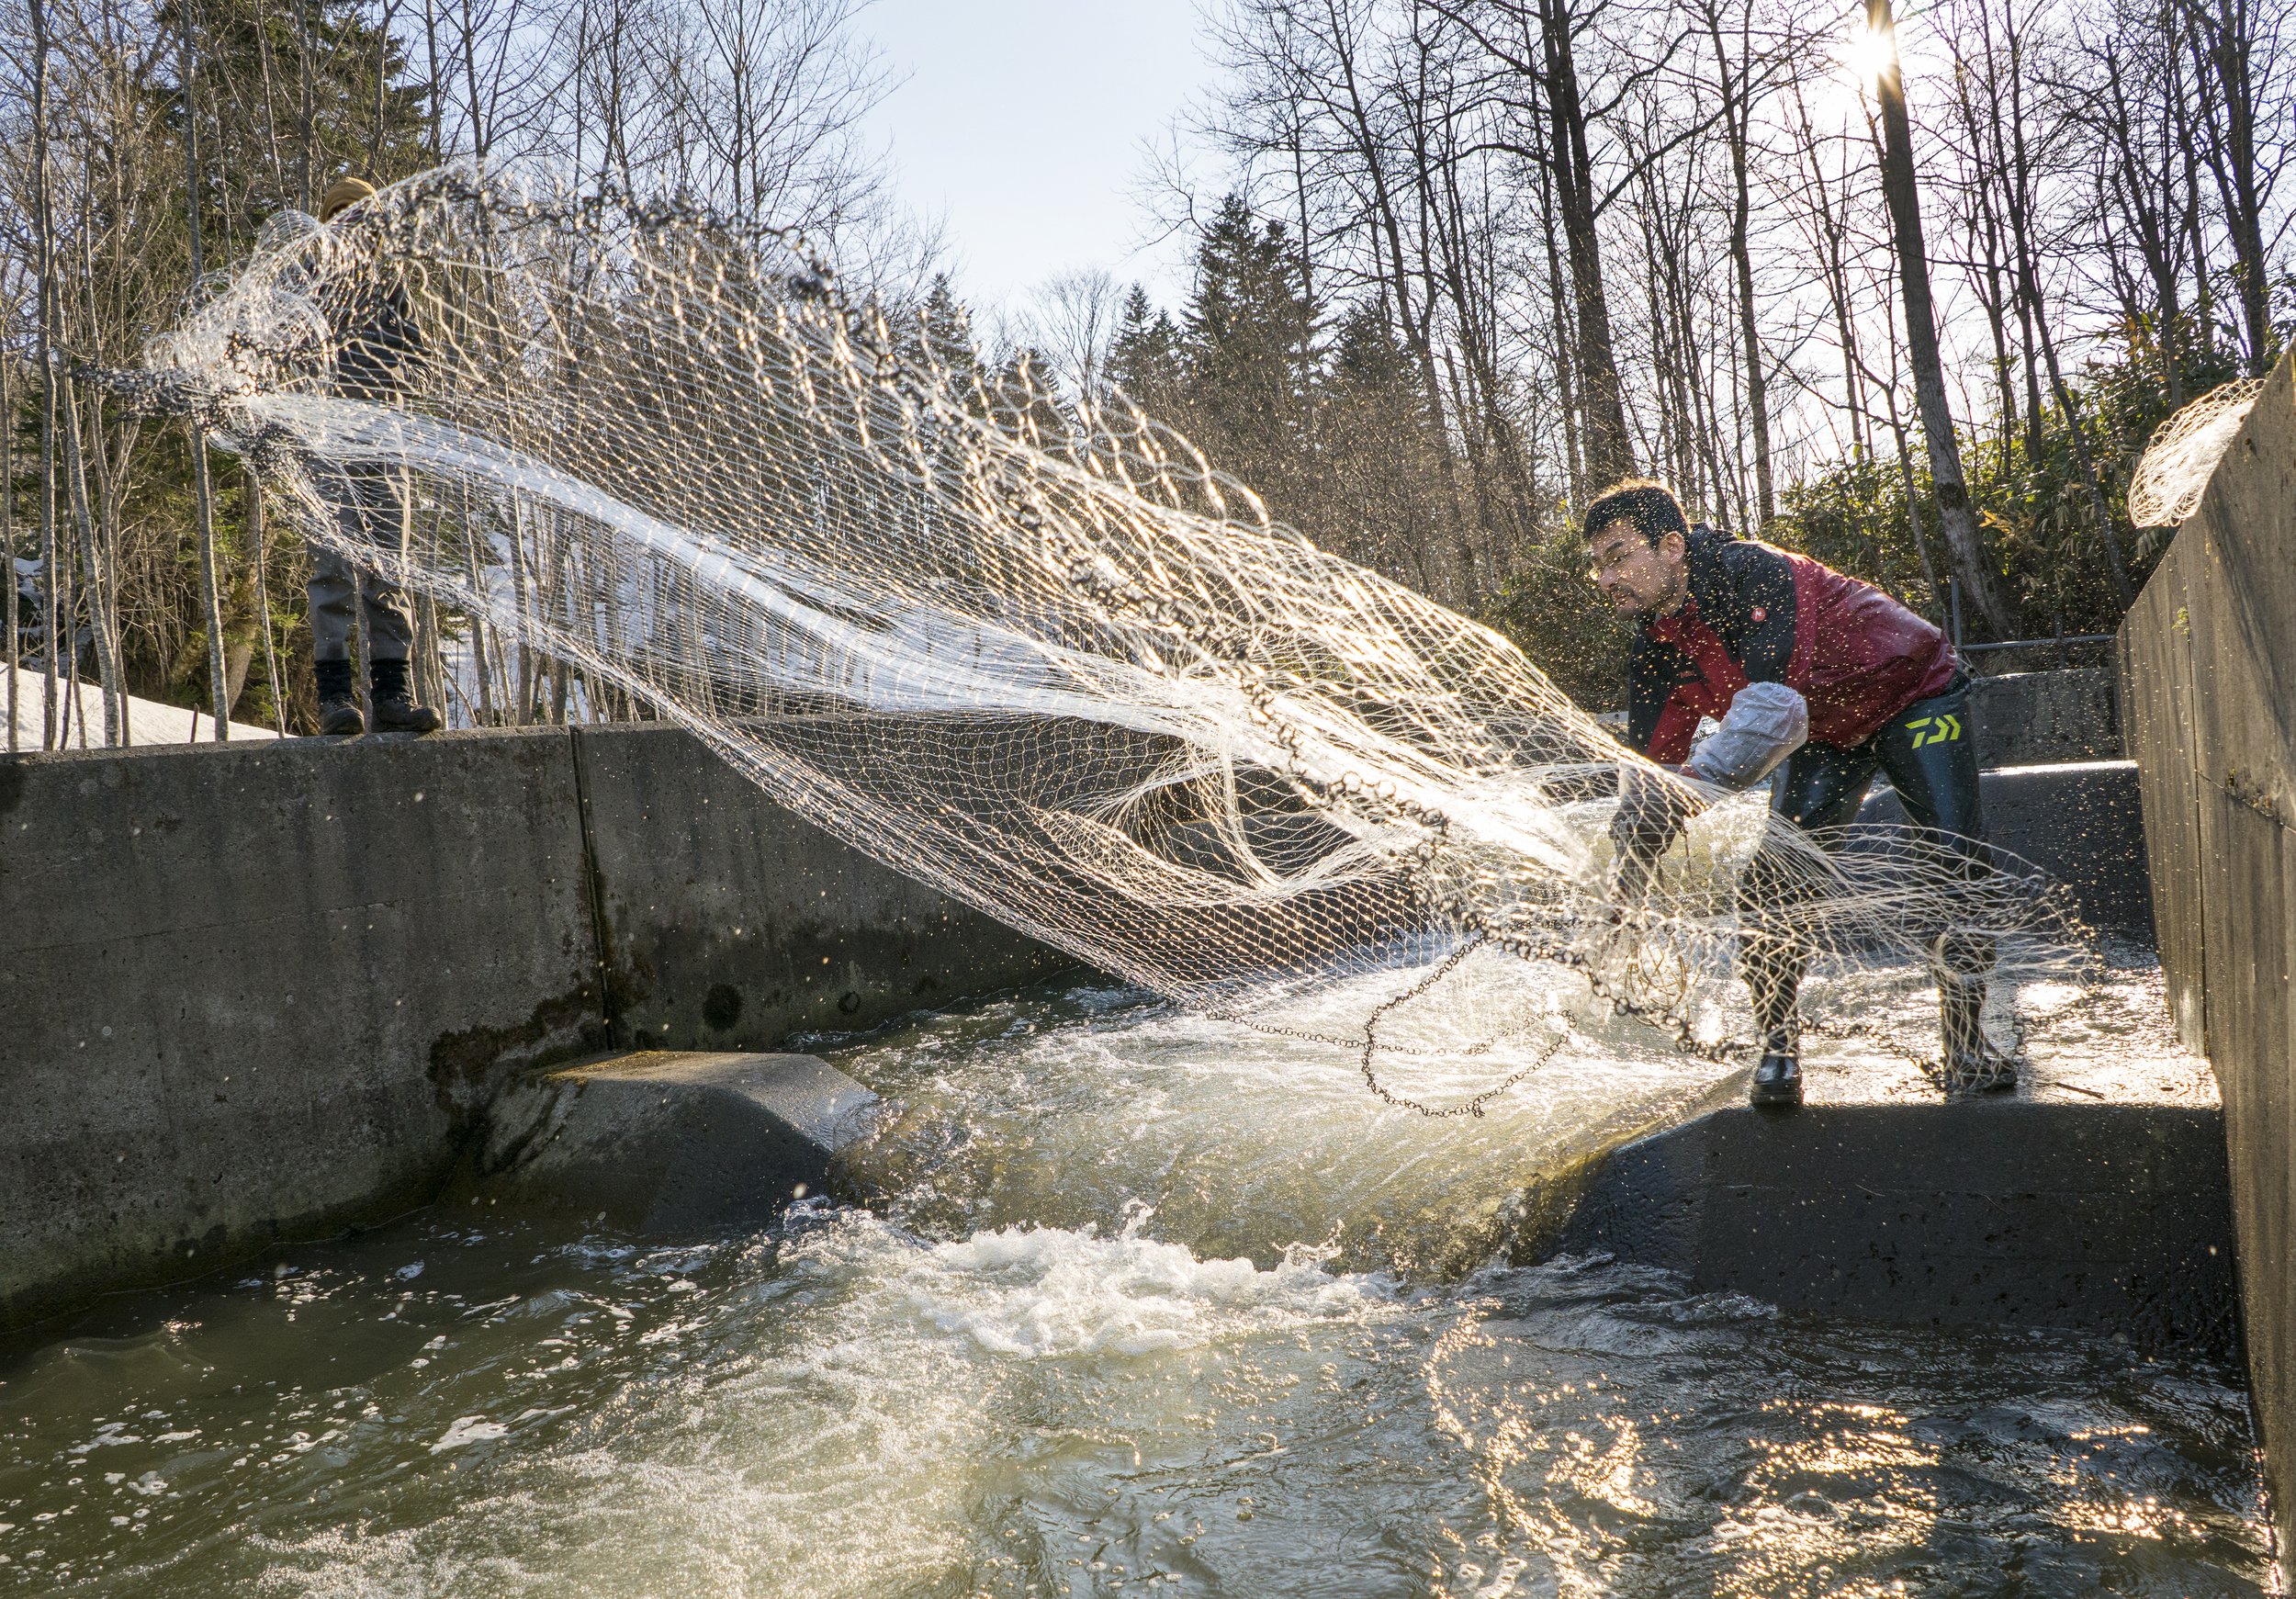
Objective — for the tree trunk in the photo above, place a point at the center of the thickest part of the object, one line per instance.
(1913, 516)
(305, 176)
(1608, 446)
(1900, 189)
(2225, 43)
(7, 542)
(1566, 346)
(2017, 178)
(203, 490)
(1737, 118)
(1981, 120)
(2037, 315)
(1417, 328)
(44, 268)
(2150, 222)
(210, 593)
(1834, 268)
(91, 561)
(104, 504)
(1757, 384)
(251, 488)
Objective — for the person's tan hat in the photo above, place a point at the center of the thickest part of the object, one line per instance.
(343, 193)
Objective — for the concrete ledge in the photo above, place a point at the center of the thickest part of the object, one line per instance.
(254, 993)
(664, 1143)
(2112, 1219)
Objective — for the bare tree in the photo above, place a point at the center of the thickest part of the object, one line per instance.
(1745, 69)
(1072, 318)
(203, 490)
(1900, 188)
(2240, 69)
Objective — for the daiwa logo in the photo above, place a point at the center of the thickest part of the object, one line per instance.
(1941, 731)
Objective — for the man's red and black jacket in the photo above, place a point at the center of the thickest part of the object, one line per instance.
(1757, 613)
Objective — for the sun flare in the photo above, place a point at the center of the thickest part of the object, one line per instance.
(1869, 52)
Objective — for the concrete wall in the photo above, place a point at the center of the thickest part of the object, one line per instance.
(2080, 822)
(257, 992)
(728, 924)
(2209, 690)
(2106, 1218)
(2027, 718)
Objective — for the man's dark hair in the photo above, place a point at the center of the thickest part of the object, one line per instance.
(1647, 503)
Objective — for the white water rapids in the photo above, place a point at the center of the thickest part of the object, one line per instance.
(1141, 1303)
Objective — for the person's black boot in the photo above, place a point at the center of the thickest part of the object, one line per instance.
(1772, 967)
(395, 710)
(339, 715)
(1971, 1061)
(1777, 1083)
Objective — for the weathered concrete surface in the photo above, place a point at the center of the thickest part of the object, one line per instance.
(2209, 681)
(2029, 719)
(2081, 823)
(2108, 1219)
(690, 859)
(2095, 1195)
(250, 991)
(2162, 698)
(663, 1143)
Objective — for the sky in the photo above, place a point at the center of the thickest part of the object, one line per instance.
(1023, 126)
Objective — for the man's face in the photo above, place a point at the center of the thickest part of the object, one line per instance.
(1638, 577)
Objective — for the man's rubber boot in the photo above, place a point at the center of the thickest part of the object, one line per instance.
(1777, 1084)
(1772, 967)
(395, 710)
(338, 714)
(1971, 1062)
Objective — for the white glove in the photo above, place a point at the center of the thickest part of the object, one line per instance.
(1767, 722)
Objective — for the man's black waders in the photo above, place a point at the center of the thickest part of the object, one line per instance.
(1928, 752)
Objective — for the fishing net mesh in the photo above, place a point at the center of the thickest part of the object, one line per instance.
(2182, 454)
(1038, 655)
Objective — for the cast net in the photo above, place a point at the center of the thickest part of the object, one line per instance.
(1038, 655)
(2181, 457)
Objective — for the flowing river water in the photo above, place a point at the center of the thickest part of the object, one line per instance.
(1133, 1303)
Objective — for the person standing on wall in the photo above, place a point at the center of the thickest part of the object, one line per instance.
(376, 342)
(1818, 672)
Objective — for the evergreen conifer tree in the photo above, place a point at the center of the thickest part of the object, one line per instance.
(1384, 492)
(263, 146)
(1249, 341)
(1144, 357)
(1027, 398)
(944, 330)
(1249, 350)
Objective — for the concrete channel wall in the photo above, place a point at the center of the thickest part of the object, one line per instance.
(2208, 660)
(258, 992)
(2112, 1219)
(252, 993)
(2029, 719)
(2078, 822)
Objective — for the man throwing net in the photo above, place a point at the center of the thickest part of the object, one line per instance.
(1818, 680)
